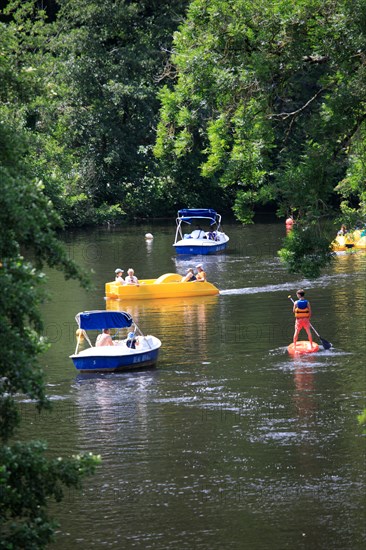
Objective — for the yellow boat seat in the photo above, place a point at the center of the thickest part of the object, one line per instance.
(168, 278)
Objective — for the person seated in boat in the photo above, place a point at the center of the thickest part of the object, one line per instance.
(190, 276)
(343, 230)
(200, 275)
(119, 276)
(212, 235)
(302, 312)
(104, 339)
(131, 279)
(131, 340)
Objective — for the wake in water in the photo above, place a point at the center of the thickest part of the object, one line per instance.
(325, 280)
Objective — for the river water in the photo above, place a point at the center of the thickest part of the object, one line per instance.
(229, 443)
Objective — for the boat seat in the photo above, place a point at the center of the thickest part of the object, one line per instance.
(168, 278)
(197, 234)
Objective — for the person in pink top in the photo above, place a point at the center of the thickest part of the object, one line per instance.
(104, 339)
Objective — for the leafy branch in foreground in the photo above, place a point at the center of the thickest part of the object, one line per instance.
(28, 242)
(306, 250)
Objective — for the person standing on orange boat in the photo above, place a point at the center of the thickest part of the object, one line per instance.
(302, 312)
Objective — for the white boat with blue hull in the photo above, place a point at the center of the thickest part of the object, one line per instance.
(199, 241)
(135, 351)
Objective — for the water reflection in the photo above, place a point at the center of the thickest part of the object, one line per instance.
(304, 389)
(183, 324)
(107, 403)
(149, 245)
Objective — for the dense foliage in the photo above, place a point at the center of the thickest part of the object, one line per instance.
(28, 241)
(270, 102)
(261, 102)
(113, 54)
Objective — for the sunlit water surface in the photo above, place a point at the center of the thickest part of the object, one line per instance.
(229, 442)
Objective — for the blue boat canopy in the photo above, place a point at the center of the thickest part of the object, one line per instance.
(188, 214)
(88, 320)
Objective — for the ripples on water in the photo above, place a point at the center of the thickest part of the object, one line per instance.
(230, 442)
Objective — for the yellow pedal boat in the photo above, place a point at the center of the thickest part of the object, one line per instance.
(356, 240)
(168, 285)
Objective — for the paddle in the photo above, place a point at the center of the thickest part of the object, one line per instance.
(325, 343)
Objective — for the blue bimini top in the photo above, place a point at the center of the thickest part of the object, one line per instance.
(88, 320)
(188, 214)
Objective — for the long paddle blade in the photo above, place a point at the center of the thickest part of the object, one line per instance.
(326, 344)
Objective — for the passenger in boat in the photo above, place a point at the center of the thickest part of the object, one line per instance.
(302, 312)
(343, 230)
(104, 339)
(201, 275)
(131, 340)
(131, 279)
(119, 276)
(212, 235)
(190, 276)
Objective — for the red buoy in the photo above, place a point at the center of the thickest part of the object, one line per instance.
(302, 346)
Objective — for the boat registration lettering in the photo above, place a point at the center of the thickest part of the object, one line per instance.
(140, 358)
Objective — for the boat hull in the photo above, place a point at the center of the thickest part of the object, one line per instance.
(200, 247)
(117, 358)
(168, 285)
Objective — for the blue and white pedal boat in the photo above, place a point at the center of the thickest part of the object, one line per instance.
(199, 241)
(135, 351)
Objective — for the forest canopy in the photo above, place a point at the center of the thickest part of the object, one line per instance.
(137, 108)
(269, 101)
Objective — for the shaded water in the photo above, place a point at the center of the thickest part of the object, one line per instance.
(229, 442)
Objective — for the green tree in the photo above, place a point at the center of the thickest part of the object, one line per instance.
(271, 95)
(28, 241)
(113, 53)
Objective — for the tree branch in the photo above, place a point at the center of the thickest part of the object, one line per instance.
(285, 116)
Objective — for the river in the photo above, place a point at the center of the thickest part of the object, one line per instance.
(229, 443)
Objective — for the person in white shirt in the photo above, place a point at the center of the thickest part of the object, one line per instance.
(119, 276)
(131, 279)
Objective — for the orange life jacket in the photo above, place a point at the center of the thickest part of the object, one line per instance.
(302, 310)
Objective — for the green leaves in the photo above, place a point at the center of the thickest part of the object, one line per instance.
(306, 250)
(28, 479)
(277, 106)
(112, 56)
(28, 242)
